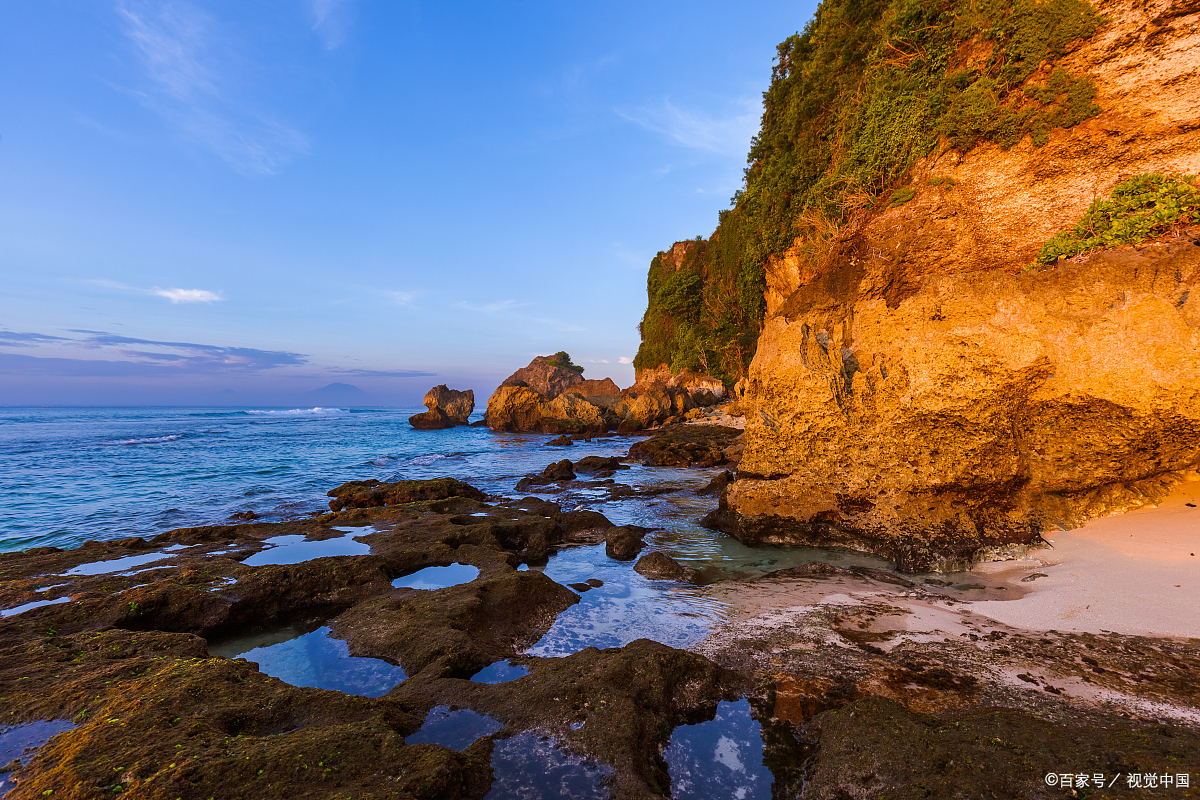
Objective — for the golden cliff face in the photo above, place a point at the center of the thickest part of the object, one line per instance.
(918, 394)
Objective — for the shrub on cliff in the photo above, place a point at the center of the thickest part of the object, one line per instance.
(1138, 209)
(866, 89)
(563, 359)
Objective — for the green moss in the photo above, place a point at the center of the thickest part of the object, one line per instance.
(1138, 209)
(902, 196)
(854, 100)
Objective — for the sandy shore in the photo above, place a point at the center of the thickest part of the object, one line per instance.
(1136, 573)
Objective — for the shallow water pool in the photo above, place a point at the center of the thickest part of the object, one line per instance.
(500, 672)
(438, 577)
(456, 729)
(529, 767)
(313, 659)
(295, 548)
(21, 743)
(719, 758)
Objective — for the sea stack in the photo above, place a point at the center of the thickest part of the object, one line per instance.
(447, 408)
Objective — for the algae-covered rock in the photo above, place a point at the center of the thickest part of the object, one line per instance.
(685, 446)
(660, 566)
(624, 542)
(372, 493)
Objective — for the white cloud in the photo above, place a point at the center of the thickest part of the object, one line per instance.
(331, 20)
(187, 295)
(624, 360)
(698, 130)
(195, 85)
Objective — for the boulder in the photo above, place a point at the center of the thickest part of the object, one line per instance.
(571, 413)
(592, 388)
(520, 408)
(717, 484)
(696, 386)
(373, 494)
(559, 471)
(561, 441)
(546, 376)
(686, 446)
(661, 567)
(595, 464)
(514, 408)
(624, 542)
(447, 408)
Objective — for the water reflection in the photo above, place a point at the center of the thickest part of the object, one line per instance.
(719, 758)
(438, 577)
(313, 659)
(500, 672)
(627, 607)
(20, 743)
(12, 612)
(456, 730)
(295, 549)
(527, 767)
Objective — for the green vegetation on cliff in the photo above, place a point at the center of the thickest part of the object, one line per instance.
(1138, 209)
(869, 87)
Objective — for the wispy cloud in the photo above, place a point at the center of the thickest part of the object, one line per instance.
(202, 357)
(624, 360)
(14, 339)
(331, 20)
(113, 355)
(195, 87)
(699, 130)
(188, 295)
(382, 373)
(174, 295)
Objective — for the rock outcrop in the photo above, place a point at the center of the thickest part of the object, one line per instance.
(920, 392)
(548, 397)
(447, 408)
(546, 376)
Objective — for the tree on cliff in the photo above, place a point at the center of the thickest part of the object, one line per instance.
(564, 360)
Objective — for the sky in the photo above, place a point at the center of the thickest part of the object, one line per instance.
(239, 203)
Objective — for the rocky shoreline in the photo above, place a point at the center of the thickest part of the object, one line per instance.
(862, 683)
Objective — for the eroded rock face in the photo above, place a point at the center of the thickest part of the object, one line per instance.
(976, 409)
(917, 393)
(447, 408)
(519, 408)
(545, 376)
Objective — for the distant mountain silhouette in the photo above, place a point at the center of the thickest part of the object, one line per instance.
(338, 394)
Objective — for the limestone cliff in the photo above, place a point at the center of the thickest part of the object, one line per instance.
(919, 390)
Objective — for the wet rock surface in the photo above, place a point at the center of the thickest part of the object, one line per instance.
(373, 494)
(893, 689)
(624, 542)
(660, 566)
(127, 659)
(890, 690)
(686, 446)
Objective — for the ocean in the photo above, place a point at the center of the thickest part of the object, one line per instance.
(73, 474)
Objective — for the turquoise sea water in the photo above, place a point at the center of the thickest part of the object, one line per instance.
(69, 475)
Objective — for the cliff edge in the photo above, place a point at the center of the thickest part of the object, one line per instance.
(931, 383)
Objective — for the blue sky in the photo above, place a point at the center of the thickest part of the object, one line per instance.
(241, 202)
